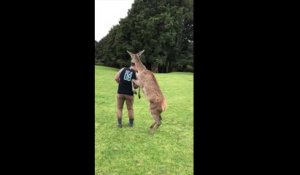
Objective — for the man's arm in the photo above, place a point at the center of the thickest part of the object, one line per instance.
(117, 76)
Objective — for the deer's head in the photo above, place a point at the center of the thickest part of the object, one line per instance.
(135, 58)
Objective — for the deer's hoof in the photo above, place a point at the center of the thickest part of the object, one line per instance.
(151, 131)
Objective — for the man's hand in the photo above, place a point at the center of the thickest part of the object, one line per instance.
(117, 76)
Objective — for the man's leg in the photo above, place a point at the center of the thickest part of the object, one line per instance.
(129, 104)
(120, 103)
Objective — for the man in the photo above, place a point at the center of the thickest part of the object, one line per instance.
(124, 79)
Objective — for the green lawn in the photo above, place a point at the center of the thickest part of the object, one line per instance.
(133, 151)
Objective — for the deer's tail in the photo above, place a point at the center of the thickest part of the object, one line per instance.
(164, 104)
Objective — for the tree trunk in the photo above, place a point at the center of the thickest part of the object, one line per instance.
(154, 68)
(163, 69)
(170, 67)
(158, 69)
(167, 66)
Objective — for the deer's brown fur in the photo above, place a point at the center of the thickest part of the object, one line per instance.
(149, 85)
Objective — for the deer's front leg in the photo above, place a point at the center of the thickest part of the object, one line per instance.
(133, 85)
(138, 83)
(139, 93)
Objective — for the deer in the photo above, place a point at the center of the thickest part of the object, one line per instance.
(150, 88)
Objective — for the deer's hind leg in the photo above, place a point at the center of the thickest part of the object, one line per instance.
(157, 119)
(155, 125)
(152, 125)
(157, 122)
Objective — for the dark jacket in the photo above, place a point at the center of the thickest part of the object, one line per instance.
(125, 85)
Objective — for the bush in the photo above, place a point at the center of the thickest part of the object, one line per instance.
(189, 68)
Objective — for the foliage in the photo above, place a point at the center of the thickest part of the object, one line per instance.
(164, 29)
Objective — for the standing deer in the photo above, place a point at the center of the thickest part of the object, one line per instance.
(150, 87)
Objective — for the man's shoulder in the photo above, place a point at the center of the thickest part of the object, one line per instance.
(123, 69)
(132, 70)
(128, 68)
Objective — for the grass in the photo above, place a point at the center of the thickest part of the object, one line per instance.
(133, 151)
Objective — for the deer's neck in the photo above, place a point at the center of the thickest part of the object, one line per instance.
(140, 66)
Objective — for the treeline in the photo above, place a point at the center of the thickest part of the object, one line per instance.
(163, 28)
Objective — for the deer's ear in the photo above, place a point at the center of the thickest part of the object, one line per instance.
(129, 53)
(140, 53)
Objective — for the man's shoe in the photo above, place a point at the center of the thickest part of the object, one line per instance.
(130, 122)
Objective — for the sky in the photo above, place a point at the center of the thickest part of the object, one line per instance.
(108, 13)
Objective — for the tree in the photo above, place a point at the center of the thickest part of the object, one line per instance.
(164, 29)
